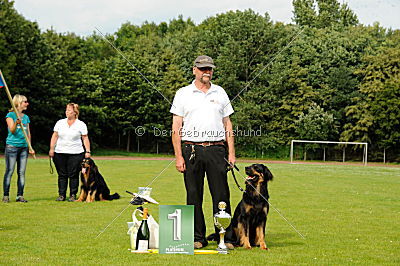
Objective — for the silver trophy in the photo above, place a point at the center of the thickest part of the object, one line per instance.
(222, 220)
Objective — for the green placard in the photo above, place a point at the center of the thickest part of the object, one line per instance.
(176, 229)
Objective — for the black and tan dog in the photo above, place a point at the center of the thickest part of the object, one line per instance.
(250, 215)
(93, 185)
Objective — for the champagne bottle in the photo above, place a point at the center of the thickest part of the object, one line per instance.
(143, 235)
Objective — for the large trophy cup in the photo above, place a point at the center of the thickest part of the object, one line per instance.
(222, 220)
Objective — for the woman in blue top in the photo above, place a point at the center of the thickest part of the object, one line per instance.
(16, 151)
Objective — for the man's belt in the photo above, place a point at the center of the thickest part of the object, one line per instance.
(205, 143)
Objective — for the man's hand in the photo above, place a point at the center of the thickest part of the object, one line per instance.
(51, 153)
(232, 159)
(180, 164)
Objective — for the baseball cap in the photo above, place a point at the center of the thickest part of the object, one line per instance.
(204, 61)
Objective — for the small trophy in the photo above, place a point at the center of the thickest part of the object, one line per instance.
(222, 220)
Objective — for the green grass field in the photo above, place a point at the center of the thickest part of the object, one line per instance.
(348, 214)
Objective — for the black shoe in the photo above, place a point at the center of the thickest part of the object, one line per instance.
(213, 237)
(60, 198)
(21, 199)
(72, 198)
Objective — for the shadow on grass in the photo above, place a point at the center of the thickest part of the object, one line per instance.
(273, 241)
(281, 240)
(8, 227)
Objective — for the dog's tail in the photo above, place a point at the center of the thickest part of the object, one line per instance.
(114, 196)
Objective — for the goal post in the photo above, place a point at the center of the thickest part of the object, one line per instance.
(365, 149)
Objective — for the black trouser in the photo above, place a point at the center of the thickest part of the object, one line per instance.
(68, 167)
(210, 161)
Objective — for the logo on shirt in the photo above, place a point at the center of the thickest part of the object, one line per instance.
(214, 101)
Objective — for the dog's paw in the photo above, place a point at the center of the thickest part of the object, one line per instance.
(247, 246)
(263, 246)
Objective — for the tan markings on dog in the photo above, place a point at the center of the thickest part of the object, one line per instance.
(260, 180)
(92, 198)
(86, 174)
(101, 197)
(236, 229)
(257, 190)
(86, 177)
(88, 196)
(244, 236)
(266, 210)
(260, 237)
(247, 207)
(82, 196)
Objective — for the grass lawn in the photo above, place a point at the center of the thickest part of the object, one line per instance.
(348, 214)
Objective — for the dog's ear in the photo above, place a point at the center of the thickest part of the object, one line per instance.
(267, 174)
(93, 165)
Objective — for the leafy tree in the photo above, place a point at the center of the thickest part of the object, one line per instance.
(239, 42)
(316, 124)
(323, 13)
(376, 113)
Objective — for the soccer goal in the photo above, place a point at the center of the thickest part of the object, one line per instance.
(364, 154)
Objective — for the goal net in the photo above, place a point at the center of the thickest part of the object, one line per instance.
(327, 150)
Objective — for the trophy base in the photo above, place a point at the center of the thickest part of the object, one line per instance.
(222, 251)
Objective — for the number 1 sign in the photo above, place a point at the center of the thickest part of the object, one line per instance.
(176, 229)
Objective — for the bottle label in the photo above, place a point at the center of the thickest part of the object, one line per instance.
(143, 245)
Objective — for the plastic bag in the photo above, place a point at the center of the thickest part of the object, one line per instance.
(133, 228)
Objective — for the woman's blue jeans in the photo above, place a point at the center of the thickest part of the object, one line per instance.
(15, 155)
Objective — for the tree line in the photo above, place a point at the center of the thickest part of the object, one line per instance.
(323, 77)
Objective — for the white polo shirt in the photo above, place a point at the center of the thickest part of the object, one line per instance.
(70, 137)
(202, 112)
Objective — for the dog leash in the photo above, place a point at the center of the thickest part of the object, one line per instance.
(232, 168)
(51, 166)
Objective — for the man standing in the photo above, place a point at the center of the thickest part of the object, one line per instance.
(201, 121)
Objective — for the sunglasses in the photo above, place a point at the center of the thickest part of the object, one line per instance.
(205, 68)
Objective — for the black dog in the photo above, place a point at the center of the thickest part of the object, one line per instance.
(250, 215)
(93, 185)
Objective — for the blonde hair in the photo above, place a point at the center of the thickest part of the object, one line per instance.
(75, 107)
(17, 100)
